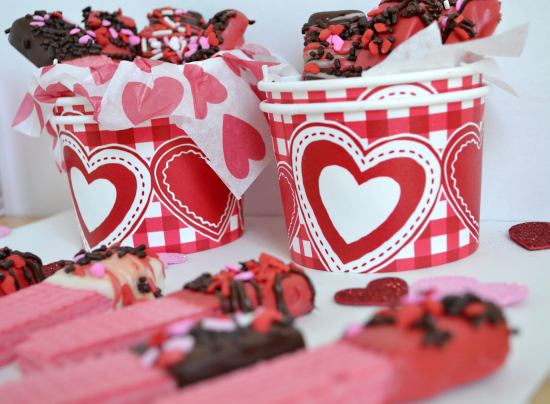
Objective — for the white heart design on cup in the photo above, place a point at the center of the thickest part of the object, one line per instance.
(94, 211)
(356, 210)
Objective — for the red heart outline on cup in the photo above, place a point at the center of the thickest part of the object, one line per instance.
(359, 204)
(289, 197)
(122, 179)
(462, 161)
(190, 188)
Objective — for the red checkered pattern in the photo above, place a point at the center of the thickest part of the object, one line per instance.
(160, 229)
(445, 238)
(353, 94)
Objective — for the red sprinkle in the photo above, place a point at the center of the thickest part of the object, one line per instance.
(209, 30)
(213, 39)
(367, 37)
(324, 34)
(461, 33)
(262, 322)
(374, 13)
(373, 47)
(57, 14)
(167, 358)
(386, 45)
(336, 29)
(531, 235)
(474, 309)
(312, 68)
(380, 27)
(459, 19)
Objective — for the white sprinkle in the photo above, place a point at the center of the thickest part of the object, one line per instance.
(170, 22)
(157, 56)
(55, 61)
(446, 4)
(218, 325)
(181, 29)
(174, 43)
(167, 12)
(162, 32)
(244, 319)
(156, 44)
(183, 344)
(150, 356)
(143, 45)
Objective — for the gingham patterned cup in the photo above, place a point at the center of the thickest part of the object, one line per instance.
(174, 208)
(380, 185)
(371, 87)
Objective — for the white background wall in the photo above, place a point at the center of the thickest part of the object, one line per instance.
(516, 169)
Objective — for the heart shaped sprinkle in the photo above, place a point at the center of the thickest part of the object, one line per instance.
(531, 235)
(380, 292)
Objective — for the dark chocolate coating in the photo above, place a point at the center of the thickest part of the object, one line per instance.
(43, 45)
(216, 353)
(21, 38)
(334, 17)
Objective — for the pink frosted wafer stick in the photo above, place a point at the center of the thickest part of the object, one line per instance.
(333, 374)
(119, 378)
(92, 335)
(22, 315)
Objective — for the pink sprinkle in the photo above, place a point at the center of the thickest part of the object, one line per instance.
(152, 40)
(46, 17)
(181, 327)
(84, 39)
(91, 33)
(181, 39)
(150, 356)
(38, 23)
(79, 256)
(113, 32)
(192, 49)
(126, 31)
(155, 51)
(74, 31)
(218, 325)
(38, 17)
(232, 267)
(4, 231)
(134, 40)
(354, 330)
(171, 258)
(98, 269)
(180, 54)
(166, 41)
(337, 42)
(183, 344)
(105, 23)
(444, 22)
(178, 11)
(204, 43)
(244, 276)
(459, 4)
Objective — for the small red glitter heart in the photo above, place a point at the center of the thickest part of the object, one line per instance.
(531, 235)
(380, 292)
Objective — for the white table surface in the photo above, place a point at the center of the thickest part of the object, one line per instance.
(498, 259)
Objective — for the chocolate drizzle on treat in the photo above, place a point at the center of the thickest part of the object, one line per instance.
(232, 292)
(424, 317)
(217, 351)
(28, 263)
(45, 38)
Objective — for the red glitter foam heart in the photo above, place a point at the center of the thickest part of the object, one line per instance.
(380, 292)
(531, 235)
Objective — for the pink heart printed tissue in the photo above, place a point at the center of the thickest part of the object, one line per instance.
(156, 153)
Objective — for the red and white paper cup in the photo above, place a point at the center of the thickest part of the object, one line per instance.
(382, 184)
(395, 86)
(149, 184)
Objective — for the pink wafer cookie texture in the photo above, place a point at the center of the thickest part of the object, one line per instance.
(98, 333)
(41, 306)
(118, 378)
(333, 374)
